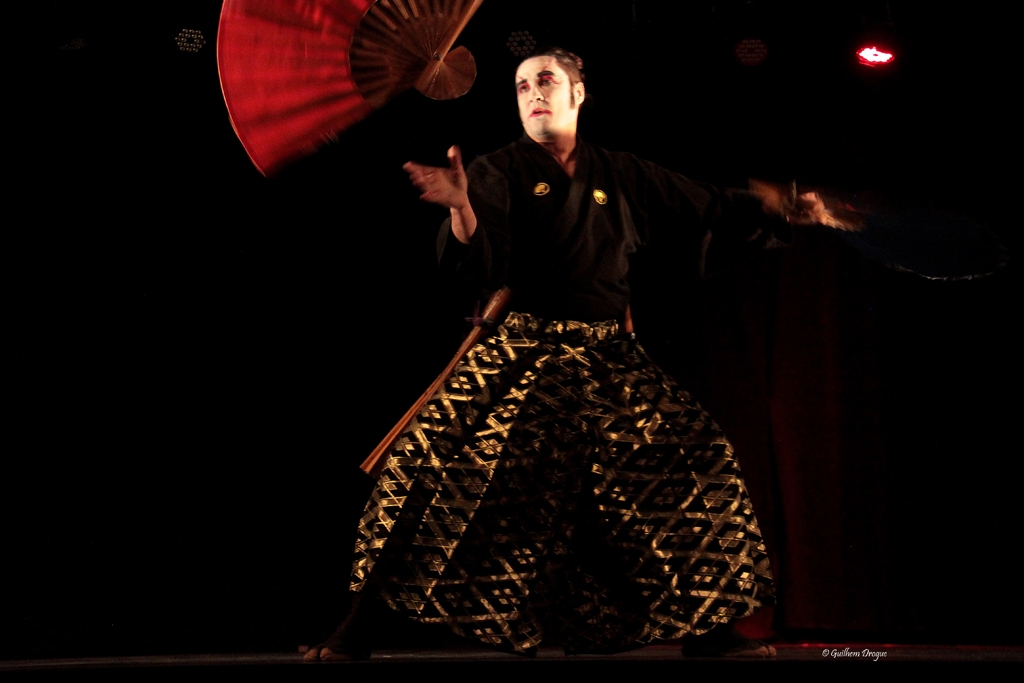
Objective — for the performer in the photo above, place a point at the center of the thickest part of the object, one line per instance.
(560, 480)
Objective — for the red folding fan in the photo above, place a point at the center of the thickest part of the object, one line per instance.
(295, 73)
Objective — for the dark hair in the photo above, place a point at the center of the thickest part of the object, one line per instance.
(570, 63)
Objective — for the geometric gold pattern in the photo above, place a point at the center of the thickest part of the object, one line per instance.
(559, 479)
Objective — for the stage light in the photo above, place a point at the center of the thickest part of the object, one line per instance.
(872, 56)
(73, 44)
(521, 43)
(750, 51)
(190, 40)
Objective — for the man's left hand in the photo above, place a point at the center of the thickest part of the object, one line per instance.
(804, 209)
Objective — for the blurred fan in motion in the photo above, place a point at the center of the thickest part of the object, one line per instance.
(295, 73)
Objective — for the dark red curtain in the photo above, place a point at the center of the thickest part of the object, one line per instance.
(870, 413)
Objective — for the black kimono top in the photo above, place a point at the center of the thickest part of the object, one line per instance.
(564, 246)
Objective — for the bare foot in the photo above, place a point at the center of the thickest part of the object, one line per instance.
(350, 641)
(756, 650)
(326, 654)
(724, 641)
(329, 655)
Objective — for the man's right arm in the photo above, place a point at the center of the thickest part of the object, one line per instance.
(473, 243)
(463, 222)
(448, 187)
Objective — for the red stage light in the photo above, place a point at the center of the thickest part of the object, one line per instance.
(872, 56)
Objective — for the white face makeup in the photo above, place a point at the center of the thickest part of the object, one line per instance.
(548, 102)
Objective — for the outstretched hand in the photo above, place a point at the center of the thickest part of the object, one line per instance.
(449, 188)
(445, 186)
(803, 209)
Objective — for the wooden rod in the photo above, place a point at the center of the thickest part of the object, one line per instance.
(376, 460)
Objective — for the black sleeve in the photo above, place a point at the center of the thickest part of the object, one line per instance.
(717, 227)
(740, 228)
(484, 261)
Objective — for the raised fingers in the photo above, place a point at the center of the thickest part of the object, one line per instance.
(421, 176)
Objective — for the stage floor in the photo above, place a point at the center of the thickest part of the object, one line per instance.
(636, 661)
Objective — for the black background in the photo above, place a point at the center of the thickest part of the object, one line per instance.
(199, 357)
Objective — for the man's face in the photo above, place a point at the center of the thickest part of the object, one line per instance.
(548, 102)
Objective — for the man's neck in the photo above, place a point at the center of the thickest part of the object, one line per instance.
(563, 148)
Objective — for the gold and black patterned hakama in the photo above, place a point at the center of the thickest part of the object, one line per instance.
(560, 480)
